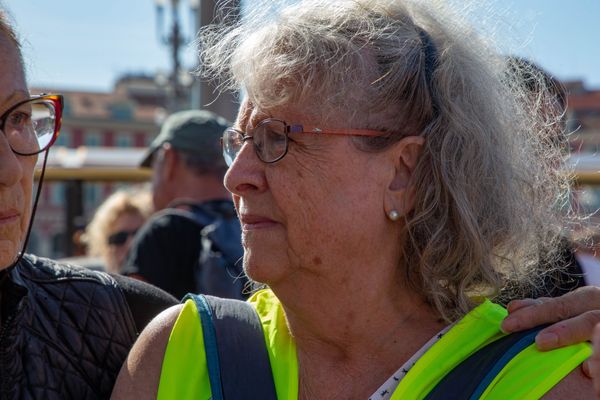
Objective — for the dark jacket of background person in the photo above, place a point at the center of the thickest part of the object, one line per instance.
(65, 331)
(167, 249)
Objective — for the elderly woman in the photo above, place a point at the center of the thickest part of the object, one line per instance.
(65, 331)
(110, 232)
(387, 181)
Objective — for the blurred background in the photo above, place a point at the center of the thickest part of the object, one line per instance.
(124, 65)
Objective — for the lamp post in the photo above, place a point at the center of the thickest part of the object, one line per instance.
(174, 39)
(183, 91)
(206, 94)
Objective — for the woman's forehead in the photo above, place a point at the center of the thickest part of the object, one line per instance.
(12, 74)
(250, 114)
(244, 114)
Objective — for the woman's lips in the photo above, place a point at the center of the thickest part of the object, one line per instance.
(251, 221)
(9, 217)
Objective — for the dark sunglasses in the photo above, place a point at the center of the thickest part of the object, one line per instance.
(119, 238)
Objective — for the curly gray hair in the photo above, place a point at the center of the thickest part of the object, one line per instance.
(487, 189)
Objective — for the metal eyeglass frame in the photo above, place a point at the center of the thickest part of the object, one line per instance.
(296, 128)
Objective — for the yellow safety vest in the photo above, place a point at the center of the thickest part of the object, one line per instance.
(529, 375)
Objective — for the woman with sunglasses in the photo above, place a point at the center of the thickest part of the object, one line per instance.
(387, 180)
(64, 331)
(110, 232)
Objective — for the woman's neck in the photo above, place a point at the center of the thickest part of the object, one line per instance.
(355, 333)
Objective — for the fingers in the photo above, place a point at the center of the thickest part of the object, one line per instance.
(518, 304)
(528, 313)
(570, 331)
(594, 361)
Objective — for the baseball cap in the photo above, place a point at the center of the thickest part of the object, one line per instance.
(193, 131)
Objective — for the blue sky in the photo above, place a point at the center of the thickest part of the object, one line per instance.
(84, 44)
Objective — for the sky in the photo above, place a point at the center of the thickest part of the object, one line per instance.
(87, 45)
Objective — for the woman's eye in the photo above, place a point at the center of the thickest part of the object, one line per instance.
(18, 119)
(275, 137)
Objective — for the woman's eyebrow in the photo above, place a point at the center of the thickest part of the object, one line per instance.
(14, 97)
(252, 118)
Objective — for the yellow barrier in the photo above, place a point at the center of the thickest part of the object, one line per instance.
(88, 174)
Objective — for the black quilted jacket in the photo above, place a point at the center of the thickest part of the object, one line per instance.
(65, 332)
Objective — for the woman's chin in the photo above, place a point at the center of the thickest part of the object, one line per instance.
(263, 270)
(8, 253)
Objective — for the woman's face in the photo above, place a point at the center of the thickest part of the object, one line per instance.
(123, 229)
(320, 205)
(16, 172)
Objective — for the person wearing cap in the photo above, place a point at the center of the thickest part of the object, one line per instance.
(187, 174)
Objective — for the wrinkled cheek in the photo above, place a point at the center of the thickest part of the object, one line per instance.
(10, 245)
(24, 225)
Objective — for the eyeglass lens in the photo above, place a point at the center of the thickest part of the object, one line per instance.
(29, 127)
(269, 140)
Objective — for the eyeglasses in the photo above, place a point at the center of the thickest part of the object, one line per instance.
(31, 126)
(270, 138)
(120, 238)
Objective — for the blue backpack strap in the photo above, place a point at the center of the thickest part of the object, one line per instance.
(210, 344)
(243, 370)
(470, 378)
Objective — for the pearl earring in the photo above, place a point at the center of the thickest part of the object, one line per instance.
(394, 215)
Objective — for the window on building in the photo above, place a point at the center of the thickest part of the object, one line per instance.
(92, 195)
(121, 112)
(64, 138)
(92, 139)
(57, 194)
(59, 244)
(66, 111)
(33, 245)
(124, 140)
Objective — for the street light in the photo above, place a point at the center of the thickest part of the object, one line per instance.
(174, 40)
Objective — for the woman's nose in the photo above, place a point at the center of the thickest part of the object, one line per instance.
(11, 168)
(246, 173)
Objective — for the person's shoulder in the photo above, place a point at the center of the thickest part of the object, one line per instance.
(140, 374)
(39, 268)
(145, 300)
(74, 296)
(149, 293)
(576, 385)
(156, 334)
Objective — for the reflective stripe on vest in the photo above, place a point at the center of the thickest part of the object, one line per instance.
(528, 375)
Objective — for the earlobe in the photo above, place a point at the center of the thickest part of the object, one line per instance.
(400, 194)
